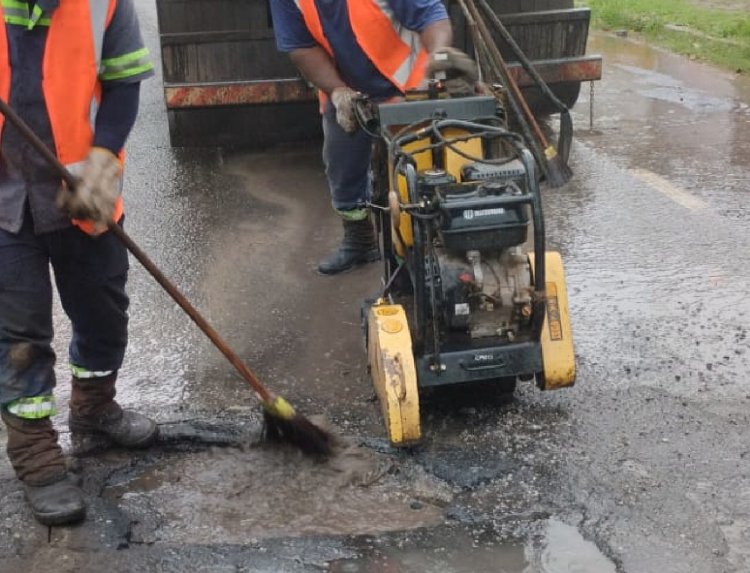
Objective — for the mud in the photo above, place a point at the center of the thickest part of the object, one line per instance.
(21, 356)
(239, 495)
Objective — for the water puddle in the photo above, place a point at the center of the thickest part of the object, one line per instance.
(389, 515)
(664, 87)
(448, 552)
(559, 549)
(232, 496)
(651, 65)
(564, 550)
(656, 92)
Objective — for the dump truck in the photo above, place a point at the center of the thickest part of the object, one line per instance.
(226, 84)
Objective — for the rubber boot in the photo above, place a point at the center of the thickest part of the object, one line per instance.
(93, 410)
(37, 458)
(358, 247)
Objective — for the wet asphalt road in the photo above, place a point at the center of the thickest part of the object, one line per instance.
(640, 468)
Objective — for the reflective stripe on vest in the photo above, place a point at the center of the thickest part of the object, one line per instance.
(70, 78)
(4, 68)
(395, 51)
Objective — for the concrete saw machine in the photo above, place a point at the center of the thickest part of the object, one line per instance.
(469, 293)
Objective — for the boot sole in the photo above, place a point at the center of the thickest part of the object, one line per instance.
(142, 443)
(52, 519)
(365, 261)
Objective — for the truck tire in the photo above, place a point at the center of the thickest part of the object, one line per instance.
(566, 92)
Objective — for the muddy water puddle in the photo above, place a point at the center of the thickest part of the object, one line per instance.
(559, 548)
(236, 495)
(389, 516)
(449, 552)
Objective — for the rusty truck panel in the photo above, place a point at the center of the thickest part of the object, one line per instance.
(226, 84)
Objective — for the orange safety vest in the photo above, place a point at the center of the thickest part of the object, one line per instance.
(70, 81)
(395, 51)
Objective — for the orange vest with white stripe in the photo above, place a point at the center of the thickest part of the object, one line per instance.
(395, 51)
(70, 83)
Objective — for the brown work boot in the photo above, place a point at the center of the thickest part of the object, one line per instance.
(39, 464)
(93, 410)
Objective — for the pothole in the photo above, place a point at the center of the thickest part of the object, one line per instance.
(232, 495)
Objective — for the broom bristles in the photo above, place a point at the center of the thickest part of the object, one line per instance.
(565, 138)
(298, 431)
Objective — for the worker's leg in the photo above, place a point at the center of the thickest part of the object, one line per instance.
(90, 274)
(347, 162)
(27, 379)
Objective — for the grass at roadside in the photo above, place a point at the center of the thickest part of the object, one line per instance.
(704, 30)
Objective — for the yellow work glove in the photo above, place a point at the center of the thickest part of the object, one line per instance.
(456, 71)
(343, 100)
(98, 189)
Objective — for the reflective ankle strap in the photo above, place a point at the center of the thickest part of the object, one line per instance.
(32, 408)
(83, 374)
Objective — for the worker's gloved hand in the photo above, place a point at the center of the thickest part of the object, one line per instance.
(456, 71)
(343, 100)
(98, 189)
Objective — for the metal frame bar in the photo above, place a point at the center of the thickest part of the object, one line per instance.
(293, 90)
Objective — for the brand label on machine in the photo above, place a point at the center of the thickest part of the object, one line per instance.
(472, 213)
(553, 313)
(485, 360)
(484, 357)
(462, 309)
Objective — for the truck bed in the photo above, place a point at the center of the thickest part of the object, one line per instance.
(226, 84)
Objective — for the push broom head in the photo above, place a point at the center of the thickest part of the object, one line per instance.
(558, 173)
(283, 424)
(565, 139)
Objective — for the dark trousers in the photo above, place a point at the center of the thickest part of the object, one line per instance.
(347, 161)
(90, 274)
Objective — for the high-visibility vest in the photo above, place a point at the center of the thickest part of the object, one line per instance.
(72, 58)
(395, 51)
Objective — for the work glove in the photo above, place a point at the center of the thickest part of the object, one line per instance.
(456, 71)
(343, 100)
(98, 189)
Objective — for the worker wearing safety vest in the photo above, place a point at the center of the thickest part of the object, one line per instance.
(380, 48)
(71, 69)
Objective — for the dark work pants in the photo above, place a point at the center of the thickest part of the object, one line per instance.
(347, 161)
(90, 274)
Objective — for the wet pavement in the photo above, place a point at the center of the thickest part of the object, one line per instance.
(642, 467)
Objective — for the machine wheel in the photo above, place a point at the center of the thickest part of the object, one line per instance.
(499, 391)
(453, 396)
(505, 386)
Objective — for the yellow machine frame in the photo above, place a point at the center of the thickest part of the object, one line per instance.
(390, 352)
(392, 370)
(558, 354)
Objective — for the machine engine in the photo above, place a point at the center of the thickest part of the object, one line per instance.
(485, 294)
(482, 272)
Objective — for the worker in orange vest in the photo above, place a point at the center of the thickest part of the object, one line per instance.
(380, 48)
(72, 70)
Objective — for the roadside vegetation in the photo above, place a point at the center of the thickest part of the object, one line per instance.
(717, 31)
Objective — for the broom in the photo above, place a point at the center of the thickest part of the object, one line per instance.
(484, 56)
(281, 421)
(565, 137)
(555, 169)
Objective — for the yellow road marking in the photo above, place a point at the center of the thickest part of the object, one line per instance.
(667, 188)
